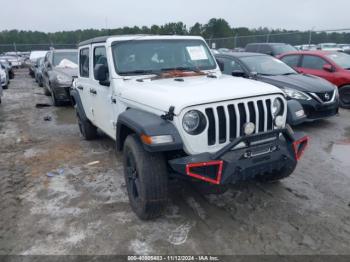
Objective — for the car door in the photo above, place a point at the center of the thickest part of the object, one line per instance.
(313, 65)
(83, 83)
(293, 61)
(103, 98)
(45, 70)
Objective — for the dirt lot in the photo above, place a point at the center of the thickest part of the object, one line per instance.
(84, 209)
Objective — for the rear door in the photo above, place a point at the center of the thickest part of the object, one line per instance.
(83, 83)
(102, 99)
(313, 65)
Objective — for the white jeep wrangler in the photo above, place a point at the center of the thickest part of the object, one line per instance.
(170, 110)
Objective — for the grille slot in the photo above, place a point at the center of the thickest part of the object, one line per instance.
(225, 123)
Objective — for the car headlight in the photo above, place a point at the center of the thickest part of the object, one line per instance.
(295, 94)
(194, 122)
(63, 79)
(277, 106)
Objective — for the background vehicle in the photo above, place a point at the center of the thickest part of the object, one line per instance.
(318, 97)
(33, 57)
(345, 48)
(39, 66)
(14, 60)
(329, 47)
(2, 81)
(273, 49)
(166, 104)
(59, 68)
(8, 67)
(5, 79)
(332, 66)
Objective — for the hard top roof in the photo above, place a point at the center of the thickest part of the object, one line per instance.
(103, 39)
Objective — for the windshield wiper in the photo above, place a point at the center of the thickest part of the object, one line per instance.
(140, 72)
(181, 68)
(288, 74)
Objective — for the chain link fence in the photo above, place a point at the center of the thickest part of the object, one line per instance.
(339, 36)
(15, 48)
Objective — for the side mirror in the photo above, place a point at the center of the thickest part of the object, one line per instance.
(328, 68)
(221, 65)
(238, 73)
(101, 74)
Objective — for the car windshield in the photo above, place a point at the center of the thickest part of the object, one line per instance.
(280, 49)
(72, 56)
(267, 65)
(142, 57)
(341, 59)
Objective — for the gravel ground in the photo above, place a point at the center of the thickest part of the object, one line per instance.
(83, 209)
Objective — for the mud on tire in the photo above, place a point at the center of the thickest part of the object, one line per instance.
(146, 179)
(87, 129)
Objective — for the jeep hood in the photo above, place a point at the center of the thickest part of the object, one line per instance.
(163, 93)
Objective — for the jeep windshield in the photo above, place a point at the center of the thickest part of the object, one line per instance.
(147, 57)
(71, 56)
(267, 65)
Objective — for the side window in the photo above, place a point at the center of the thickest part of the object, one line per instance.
(100, 56)
(291, 60)
(84, 62)
(313, 62)
(230, 65)
(265, 49)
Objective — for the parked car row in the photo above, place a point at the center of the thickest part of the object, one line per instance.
(6, 73)
(54, 71)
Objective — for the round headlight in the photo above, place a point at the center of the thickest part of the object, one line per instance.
(277, 106)
(194, 122)
(249, 128)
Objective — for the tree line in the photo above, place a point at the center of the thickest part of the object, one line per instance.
(215, 28)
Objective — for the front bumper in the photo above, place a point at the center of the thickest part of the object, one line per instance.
(62, 92)
(275, 151)
(316, 111)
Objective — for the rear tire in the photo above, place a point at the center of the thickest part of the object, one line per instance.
(47, 91)
(146, 179)
(55, 101)
(87, 129)
(5, 87)
(344, 97)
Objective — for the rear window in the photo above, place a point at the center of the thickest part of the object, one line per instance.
(84, 62)
(291, 60)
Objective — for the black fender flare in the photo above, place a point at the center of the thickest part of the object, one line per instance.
(144, 123)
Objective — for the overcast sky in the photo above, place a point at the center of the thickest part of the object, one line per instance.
(59, 15)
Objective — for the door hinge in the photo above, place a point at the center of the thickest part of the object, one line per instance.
(114, 124)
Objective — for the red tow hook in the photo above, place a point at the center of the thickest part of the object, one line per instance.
(205, 165)
(300, 146)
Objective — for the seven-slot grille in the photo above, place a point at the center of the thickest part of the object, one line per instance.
(227, 122)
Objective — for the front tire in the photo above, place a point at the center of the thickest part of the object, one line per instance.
(344, 97)
(146, 178)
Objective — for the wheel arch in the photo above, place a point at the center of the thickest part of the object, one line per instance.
(134, 121)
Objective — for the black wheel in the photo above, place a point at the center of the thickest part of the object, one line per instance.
(344, 96)
(146, 178)
(55, 101)
(209, 189)
(276, 175)
(5, 87)
(87, 129)
(47, 91)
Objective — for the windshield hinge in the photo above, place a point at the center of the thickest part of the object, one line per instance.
(170, 115)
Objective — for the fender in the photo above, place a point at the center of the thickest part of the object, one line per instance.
(144, 123)
(74, 93)
(293, 118)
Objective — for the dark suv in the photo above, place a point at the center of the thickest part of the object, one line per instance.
(59, 68)
(273, 49)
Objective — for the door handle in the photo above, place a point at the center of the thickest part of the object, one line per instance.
(80, 87)
(93, 91)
